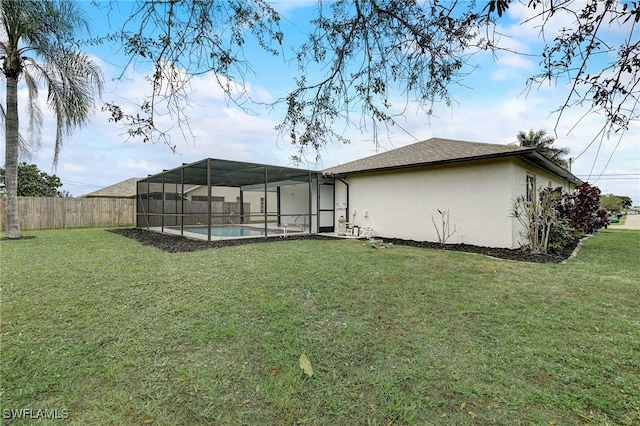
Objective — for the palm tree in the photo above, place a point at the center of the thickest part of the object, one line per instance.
(542, 143)
(37, 45)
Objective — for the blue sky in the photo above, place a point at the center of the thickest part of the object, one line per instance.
(492, 106)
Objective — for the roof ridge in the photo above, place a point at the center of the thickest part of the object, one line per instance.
(432, 150)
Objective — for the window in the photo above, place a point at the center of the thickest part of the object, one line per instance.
(531, 187)
(262, 204)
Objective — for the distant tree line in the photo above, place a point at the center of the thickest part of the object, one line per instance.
(615, 203)
(34, 183)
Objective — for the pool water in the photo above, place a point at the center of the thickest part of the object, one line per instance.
(227, 231)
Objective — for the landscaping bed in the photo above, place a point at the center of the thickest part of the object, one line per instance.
(177, 244)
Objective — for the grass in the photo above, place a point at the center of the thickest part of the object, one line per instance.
(110, 332)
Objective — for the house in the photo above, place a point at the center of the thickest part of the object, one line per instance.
(253, 201)
(398, 193)
(257, 200)
(123, 189)
(395, 194)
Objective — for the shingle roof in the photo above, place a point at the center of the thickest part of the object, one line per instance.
(124, 189)
(428, 152)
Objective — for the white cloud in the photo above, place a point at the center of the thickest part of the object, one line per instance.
(493, 111)
(512, 67)
(285, 7)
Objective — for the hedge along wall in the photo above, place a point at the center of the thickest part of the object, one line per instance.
(57, 213)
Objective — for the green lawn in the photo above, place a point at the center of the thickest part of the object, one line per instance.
(102, 330)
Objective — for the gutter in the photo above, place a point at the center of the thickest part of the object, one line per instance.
(540, 160)
(529, 155)
(433, 163)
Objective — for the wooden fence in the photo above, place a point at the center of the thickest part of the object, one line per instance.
(55, 213)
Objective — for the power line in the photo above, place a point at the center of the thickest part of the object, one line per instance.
(79, 184)
(602, 161)
(570, 136)
(616, 174)
(618, 178)
(608, 160)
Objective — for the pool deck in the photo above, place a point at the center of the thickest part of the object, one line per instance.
(272, 231)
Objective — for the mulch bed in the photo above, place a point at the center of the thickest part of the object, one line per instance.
(22, 237)
(519, 255)
(177, 244)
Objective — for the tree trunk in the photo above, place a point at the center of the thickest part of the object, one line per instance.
(11, 158)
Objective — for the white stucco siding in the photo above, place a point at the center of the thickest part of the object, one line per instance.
(401, 204)
(231, 195)
(543, 178)
(294, 206)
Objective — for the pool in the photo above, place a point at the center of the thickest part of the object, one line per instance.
(228, 231)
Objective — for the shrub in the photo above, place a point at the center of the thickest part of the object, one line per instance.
(444, 231)
(539, 217)
(582, 209)
(552, 220)
(561, 236)
(601, 219)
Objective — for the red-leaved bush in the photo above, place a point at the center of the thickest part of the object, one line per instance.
(582, 209)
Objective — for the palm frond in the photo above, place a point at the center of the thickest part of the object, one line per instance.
(73, 80)
(34, 113)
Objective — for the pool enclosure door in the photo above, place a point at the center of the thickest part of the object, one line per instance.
(326, 207)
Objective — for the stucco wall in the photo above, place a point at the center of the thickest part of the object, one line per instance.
(544, 179)
(479, 196)
(294, 206)
(231, 194)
